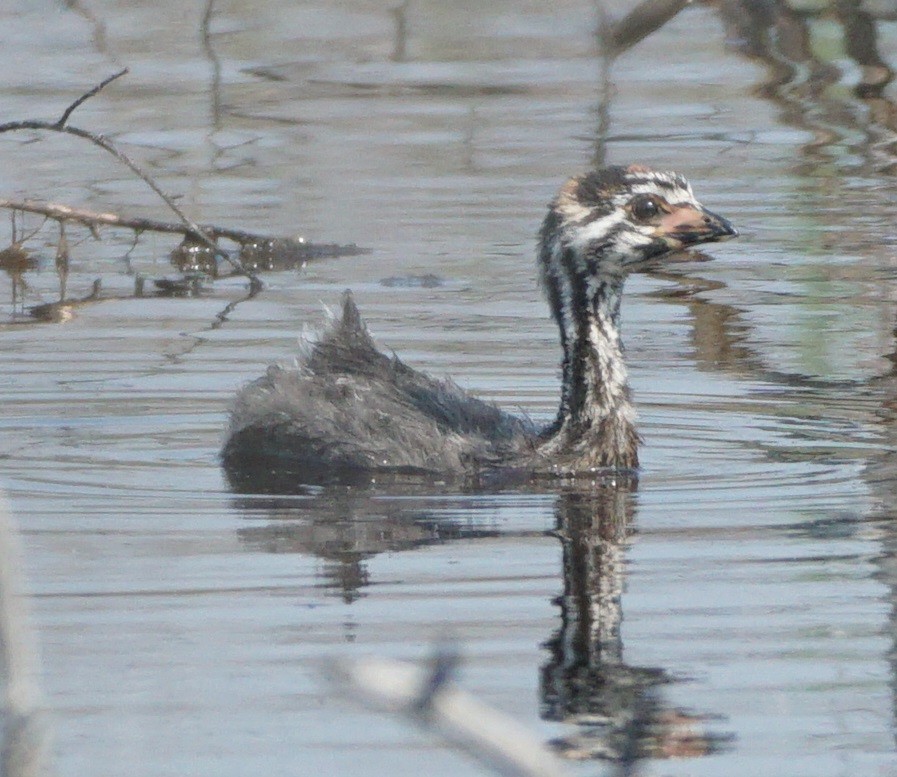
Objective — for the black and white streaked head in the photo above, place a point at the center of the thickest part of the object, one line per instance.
(601, 227)
(605, 224)
(618, 219)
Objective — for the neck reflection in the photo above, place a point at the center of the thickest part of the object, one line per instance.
(617, 709)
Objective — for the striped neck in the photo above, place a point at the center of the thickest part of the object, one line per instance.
(595, 420)
(598, 379)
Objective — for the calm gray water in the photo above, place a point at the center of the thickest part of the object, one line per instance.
(744, 595)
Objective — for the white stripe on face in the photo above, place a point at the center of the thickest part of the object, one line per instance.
(677, 196)
(597, 229)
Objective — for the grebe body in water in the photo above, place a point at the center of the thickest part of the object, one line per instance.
(348, 411)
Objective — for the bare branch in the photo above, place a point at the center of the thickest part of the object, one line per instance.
(93, 219)
(107, 145)
(647, 17)
(87, 95)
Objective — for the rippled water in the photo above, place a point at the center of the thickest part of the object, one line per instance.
(742, 598)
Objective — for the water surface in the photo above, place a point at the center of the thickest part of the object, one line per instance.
(742, 598)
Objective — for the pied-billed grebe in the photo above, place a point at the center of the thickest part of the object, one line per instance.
(348, 411)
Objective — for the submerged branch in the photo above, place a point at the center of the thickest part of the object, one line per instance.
(298, 247)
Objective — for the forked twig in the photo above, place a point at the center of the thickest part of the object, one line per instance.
(87, 95)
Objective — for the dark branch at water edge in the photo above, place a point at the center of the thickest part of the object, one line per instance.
(616, 36)
(200, 249)
(299, 249)
(61, 125)
(638, 24)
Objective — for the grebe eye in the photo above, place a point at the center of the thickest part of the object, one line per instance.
(644, 207)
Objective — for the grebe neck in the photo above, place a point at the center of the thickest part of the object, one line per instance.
(596, 419)
(599, 385)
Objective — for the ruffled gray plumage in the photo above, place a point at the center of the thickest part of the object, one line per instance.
(347, 407)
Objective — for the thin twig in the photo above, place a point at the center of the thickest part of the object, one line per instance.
(87, 95)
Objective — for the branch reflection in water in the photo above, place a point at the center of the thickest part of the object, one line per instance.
(807, 87)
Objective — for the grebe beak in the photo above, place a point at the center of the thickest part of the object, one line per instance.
(687, 225)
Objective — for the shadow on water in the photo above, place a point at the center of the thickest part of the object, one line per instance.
(345, 527)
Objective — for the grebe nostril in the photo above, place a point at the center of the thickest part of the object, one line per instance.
(349, 411)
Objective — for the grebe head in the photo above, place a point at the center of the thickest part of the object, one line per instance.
(619, 219)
